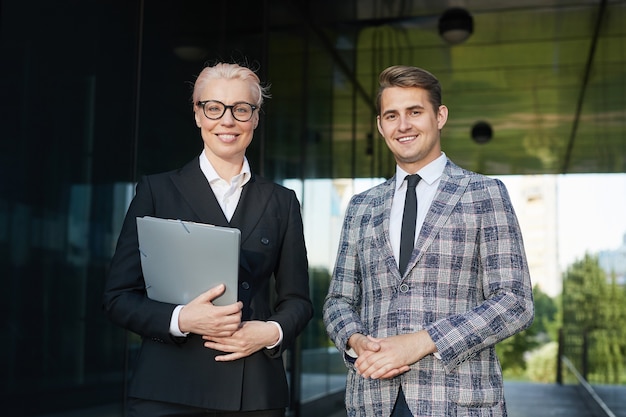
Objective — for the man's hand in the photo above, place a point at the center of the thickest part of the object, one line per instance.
(391, 356)
(200, 316)
(251, 337)
(362, 344)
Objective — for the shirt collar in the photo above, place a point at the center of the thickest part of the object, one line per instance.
(211, 175)
(430, 173)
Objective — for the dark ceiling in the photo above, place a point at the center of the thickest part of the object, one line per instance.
(548, 76)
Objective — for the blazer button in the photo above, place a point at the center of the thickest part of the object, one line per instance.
(265, 241)
(245, 285)
(404, 288)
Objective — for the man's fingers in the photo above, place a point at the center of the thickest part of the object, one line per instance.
(390, 374)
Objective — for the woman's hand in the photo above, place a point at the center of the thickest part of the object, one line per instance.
(251, 337)
(200, 316)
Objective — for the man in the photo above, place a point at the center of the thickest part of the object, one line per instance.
(419, 340)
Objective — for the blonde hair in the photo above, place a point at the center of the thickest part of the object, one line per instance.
(231, 72)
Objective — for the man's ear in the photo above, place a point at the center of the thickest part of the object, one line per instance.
(380, 129)
(442, 116)
(197, 118)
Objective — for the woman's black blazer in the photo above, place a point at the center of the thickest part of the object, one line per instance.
(182, 370)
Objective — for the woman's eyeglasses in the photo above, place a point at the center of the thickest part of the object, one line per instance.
(214, 110)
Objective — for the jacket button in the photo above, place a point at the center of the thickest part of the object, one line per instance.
(404, 288)
(245, 285)
(265, 241)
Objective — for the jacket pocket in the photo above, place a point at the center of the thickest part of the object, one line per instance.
(477, 382)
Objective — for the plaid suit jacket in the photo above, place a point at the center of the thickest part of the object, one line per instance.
(467, 284)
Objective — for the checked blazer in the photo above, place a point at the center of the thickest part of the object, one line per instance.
(467, 284)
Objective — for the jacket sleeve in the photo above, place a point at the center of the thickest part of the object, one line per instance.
(344, 294)
(124, 300)
(504, 278)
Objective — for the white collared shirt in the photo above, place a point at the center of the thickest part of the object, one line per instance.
(425, 190)
(227, 193)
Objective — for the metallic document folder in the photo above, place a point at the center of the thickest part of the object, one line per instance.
(181, 259)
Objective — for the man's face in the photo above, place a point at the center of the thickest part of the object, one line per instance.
(411, 126)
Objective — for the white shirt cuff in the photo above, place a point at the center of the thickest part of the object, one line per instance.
(352, 353)
(280, 335)
(174, 329)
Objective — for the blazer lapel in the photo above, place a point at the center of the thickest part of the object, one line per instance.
(197, 193)
(451, 187)
(381, 209)
(254, 198)
(251, 206)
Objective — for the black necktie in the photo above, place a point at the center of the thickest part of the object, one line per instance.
(409, 217)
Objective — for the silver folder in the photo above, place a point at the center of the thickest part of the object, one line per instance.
(181, 259)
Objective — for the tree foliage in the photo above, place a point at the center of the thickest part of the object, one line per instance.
(594, 315)
(545, 316)
(541, 363)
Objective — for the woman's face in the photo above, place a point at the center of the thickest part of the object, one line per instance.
(226, 138)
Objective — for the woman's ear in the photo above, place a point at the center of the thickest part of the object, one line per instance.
(196, 116)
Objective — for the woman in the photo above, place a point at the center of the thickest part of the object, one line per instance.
(199, 358)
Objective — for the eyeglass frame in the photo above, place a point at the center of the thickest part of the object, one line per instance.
(202, 104)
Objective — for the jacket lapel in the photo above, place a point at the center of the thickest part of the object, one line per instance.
(251, 206)
(196, 191)
(249, 212)
(452, 186)
(381, 210)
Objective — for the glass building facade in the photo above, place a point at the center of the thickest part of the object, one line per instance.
(96, 94)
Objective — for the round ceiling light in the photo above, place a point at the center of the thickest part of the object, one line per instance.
(482, 132)
(456, 25)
